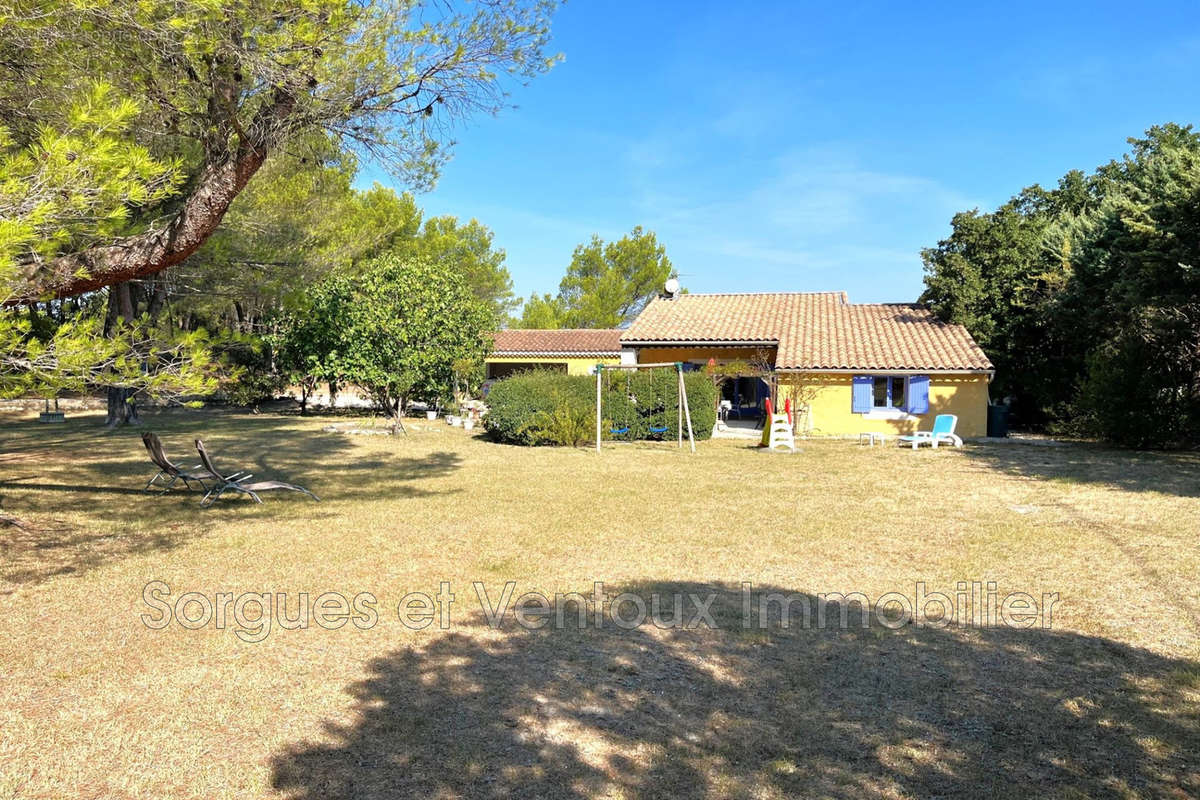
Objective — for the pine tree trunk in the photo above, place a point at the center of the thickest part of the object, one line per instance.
(121, 408)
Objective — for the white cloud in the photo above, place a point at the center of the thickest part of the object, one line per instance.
(816, 217)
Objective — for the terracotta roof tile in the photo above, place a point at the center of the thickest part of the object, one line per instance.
(813, 330)
(567, 341)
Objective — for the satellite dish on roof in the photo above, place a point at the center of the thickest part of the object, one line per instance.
(672, 286)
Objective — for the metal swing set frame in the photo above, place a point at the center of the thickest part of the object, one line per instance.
(685, 413)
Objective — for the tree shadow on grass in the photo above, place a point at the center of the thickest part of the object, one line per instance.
(736, 712)
(1168, 473)
(47, 472)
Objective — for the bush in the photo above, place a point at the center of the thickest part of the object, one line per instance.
(545, 407)
(702, 402)
(569, 425)
(514, 403)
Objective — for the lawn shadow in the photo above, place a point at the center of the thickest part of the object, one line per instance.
(747, 712)
(1133, 471)
(48, 471)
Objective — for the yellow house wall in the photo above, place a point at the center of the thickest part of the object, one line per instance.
(658, 355)
(829, 397)
(575, 366)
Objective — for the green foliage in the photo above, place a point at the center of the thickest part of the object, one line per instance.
(308, 342)
(567, 424)
(371, 73)
(75, 183)
(1086, 296)
(1139, 407)
(189, 89)
(78, 357)
(516, 403)
(300, 219)
(702, 402)
(542, 312)
(543, 407)
(995, 276)
(251, 375)
(606, 284)
(649, 399)
(392, 224)
(291, 226)
(398, 329)
(119, 116)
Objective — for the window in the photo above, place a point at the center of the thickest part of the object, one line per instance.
(891, 394)
(888, 391)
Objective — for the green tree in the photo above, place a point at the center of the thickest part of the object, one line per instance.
(382, 222)
(467, 249)
(308, 342)
(993, 275)
(606, 285)
(293, 224)
(545, 311)
(227, 85)
(1087, 297)
(401, 329)
(1135, 294)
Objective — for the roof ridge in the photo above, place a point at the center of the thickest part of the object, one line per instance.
(556, 330)
(821, 329)
(747, 294)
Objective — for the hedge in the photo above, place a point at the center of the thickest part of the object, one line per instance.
(513, 403)
(637, 400)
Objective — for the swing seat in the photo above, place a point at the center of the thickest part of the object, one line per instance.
(619, 431)
(663, 429)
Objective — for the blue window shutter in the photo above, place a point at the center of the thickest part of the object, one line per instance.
(860, 394)
(918, 394)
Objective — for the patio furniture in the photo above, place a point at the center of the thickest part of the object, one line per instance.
(942, 433)
(166, 469)
(237, 482)
(871, 438)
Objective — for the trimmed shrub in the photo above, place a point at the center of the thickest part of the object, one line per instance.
(514, 403)
(569, 425)
(543, 407)
(702, 402)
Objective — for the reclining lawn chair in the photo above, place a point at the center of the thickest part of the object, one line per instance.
(942, 433)
(168, 470)
(237, 482)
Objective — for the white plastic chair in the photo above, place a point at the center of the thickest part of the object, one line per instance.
(943, 432)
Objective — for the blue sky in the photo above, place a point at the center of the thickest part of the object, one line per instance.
(802, 146)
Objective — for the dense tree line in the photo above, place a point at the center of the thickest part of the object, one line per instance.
(1087, 296)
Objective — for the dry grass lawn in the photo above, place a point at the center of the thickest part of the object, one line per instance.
(93, 703)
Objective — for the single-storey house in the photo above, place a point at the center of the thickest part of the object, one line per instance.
(574, 351)
(849, 368)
